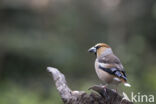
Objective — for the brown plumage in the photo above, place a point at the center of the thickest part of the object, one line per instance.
(108, 66)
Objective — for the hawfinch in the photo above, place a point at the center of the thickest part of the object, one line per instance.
(108, 66)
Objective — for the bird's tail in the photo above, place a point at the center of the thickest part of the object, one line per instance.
(127, 84)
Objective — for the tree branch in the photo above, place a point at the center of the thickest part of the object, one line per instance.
(80, 97)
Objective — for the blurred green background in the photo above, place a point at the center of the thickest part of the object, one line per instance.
(35, 34)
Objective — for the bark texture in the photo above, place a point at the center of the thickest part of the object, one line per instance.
(68, 96)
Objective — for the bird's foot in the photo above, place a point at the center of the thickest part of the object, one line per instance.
(104, 86)
(102, 90)
(104, 93)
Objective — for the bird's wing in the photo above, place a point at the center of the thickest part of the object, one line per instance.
(112, 60)
(112, 65)
(114, 71)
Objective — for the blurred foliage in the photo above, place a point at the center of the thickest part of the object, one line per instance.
(13, 94)
(35, 34)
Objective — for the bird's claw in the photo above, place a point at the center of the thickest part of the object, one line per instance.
(102, 90)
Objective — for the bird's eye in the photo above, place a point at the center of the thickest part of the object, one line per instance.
(97, 47)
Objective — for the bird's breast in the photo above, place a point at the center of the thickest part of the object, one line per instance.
(102, 75)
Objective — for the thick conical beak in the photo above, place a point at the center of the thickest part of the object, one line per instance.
(92, 49)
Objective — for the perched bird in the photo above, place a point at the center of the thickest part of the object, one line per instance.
(108, 66)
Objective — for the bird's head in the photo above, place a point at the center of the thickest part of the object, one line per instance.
(100, 48)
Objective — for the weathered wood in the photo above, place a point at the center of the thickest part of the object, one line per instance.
(68, 96)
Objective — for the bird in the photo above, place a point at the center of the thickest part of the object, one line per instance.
(108, 66)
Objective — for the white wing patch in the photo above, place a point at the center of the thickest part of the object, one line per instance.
(104, 65)
(117, 79)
